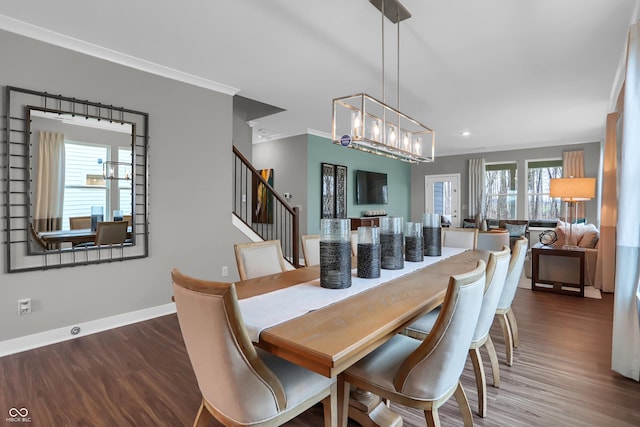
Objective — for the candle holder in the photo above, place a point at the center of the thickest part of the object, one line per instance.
(335, 254)
(432, 232)
(368, 252)
(391, 243)
(413, 242)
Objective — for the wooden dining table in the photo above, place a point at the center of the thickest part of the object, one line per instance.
(331, 339)
(81, 235)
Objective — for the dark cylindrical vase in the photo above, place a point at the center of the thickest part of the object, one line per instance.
(391, 243)
(368, 252)
(432, 234)
(414, 243)
(335, 254)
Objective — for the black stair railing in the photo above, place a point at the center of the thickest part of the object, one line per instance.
(261, 208)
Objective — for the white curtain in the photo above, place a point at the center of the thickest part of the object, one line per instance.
(573, 166)
(476, 187)
(606, 264)
(49, 197)
(626, 316)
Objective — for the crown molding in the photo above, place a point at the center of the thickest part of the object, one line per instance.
(51, 37)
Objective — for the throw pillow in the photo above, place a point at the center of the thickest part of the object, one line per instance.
(467, 224)
(589, 237)
(516, 230)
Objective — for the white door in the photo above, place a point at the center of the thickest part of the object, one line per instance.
(442, 196)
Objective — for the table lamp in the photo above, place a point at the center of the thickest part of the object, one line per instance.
(572, 190)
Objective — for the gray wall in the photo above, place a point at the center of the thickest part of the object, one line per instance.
(189, 192)
(460, 164)
(287, 157)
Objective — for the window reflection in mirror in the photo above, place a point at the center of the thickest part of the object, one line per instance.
(92, 167)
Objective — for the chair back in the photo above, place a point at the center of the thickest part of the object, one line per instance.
(460, 237)
(256, 259)
(231, 376)
(513, 274)
(496, 275)
(434, 368)
(79, 222)
(111, 233)
(311, 249)
(354, 242)
(492, 240)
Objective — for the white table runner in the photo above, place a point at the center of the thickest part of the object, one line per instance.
(264, 311)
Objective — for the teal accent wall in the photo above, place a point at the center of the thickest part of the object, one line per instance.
(322, 150)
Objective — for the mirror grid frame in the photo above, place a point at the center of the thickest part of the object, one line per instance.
(18, 182)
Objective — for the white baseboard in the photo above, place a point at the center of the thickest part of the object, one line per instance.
(53, 336)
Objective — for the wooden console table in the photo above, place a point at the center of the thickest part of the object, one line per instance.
(558, 270)
(365, 221)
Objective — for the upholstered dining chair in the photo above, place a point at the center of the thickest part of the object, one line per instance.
(255, 259)
(496, 275)
(493, 240)
(425, 374)
(241, 385)
(460, 237)
(504, 311)
(111, 233)
(311, 249)
(79, 222)
(354, 242)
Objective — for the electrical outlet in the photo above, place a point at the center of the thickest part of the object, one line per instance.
(24, 306)
(225, 271)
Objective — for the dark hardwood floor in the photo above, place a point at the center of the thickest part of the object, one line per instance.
(140, 375)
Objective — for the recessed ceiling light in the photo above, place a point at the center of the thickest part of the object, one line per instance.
(465, 133)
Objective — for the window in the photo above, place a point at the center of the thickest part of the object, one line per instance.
(501, 191)
(85, 185)
(540, 206)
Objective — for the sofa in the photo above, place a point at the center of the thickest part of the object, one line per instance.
(585, 236)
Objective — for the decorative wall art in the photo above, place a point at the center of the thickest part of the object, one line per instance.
(262, 209)
(334, 191)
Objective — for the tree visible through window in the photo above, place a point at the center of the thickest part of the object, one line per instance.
(540, 205)
(501, 191)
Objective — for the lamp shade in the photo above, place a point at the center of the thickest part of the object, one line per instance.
(573, 189)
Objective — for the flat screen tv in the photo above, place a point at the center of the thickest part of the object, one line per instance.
(371, 188)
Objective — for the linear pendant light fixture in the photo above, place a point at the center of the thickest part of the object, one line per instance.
(367, 124)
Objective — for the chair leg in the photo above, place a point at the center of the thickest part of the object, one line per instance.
(202, 417)
(432, 417)
(330, 405)
(511, 316)
(508, 337)
(481, 380)
(463, 403)
(493, 358)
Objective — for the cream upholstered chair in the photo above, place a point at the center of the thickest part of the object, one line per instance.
(79, 222)
(241, 385)
(354, 242)
(425, 374)
(460, 237)
(311, 249)
(256, 259)
(493, 240)
(496, 275)
(504, 311)
(111, 233)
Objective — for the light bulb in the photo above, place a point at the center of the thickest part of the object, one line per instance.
(356, 122)
(375, 130)
(405, 141)
(392, 137)
(417, 147)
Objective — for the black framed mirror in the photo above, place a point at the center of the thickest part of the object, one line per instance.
(76, 181)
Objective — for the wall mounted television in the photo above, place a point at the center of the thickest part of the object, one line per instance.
(371, 188)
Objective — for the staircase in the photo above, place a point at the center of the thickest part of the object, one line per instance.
(263, 210)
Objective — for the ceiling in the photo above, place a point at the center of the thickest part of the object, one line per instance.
(514, 74)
